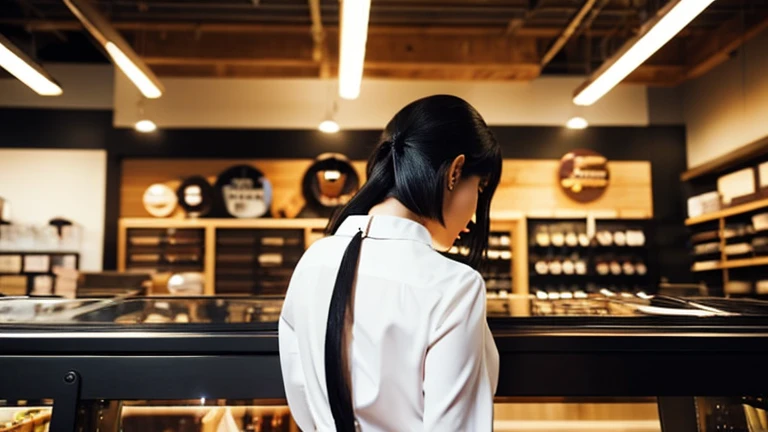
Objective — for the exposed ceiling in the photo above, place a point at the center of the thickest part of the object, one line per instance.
(419, 39)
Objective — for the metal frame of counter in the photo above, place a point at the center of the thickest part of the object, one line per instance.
(191, 361)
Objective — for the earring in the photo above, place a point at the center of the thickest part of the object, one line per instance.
(452, 184)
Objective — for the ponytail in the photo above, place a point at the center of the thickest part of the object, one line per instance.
(339, 393)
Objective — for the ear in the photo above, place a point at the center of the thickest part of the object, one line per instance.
(454, 172)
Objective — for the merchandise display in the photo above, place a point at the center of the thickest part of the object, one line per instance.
(242, 191)
(328, 183)
(160, 200)
(760, 222)
(195, 196)
(738, 249)
(700, 205)
(33, 273)
(733, 186)
(738, 287)
(256, 261)
(762, 172)
(233, 341)
(24, 419)
(617, 259)
(165, 250)
(497, 268)
(705, 236)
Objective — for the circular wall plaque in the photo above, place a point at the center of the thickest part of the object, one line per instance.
(584, 175)
(244, 192)
(160, 200)
(330, 181)
(195, 196)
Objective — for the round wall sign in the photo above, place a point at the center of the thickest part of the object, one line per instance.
(160, 200)
(584, 175)
(244, 192)
(195, 196)
(330, 181)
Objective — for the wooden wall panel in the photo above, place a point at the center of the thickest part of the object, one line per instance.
(531, 187)
(527, 186)
(139, 174)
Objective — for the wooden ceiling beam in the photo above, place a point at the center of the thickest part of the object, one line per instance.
(425, 56)
(570, 29)
(708, 51)
(71, 25)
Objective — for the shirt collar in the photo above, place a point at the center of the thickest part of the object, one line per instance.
(385, 228)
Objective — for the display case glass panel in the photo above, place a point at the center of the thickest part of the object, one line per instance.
(25, 415)
(194, 415)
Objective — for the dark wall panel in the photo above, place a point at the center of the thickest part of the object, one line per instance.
(663, 146)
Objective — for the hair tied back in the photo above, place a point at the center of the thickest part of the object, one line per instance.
(396, 143)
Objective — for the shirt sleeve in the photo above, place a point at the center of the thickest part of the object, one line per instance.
(461, 366)
(293, 373)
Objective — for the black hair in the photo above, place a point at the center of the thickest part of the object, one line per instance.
(410, 163)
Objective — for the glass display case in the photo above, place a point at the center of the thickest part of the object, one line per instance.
(593, 362)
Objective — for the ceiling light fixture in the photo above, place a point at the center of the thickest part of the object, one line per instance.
(668, 22)
(329, 126)
(117, 48)
(577, 123)
(145, 126)
(354, 34)
(26, 70)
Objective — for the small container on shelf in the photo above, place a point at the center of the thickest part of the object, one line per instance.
(542, 236)
(760, 245)
(760, 222)
(738, 287)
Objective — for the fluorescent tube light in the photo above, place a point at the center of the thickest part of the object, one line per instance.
(672, 18)
(27, 71)
(129, 68)
(117, 48)
(354, 34)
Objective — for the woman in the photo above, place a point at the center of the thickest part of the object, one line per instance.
(379, 331)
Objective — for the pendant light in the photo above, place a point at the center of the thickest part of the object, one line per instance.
(577, 122)
(144, 124)
(329, 124)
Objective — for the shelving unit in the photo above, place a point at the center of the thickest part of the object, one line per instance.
(243, 241)
(209, 229)
(738, 263)
(723, 263)
(54, 259)
(728, 212)
(589, 256)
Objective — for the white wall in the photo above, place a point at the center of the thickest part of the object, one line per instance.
(85, 87)
(43, 184)
(727, 108)
(302, 103)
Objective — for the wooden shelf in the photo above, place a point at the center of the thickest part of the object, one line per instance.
(746, 262)
(728, 161)
(731, 211)
(223, 223)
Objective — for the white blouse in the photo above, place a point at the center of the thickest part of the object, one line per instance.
(421, 355)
